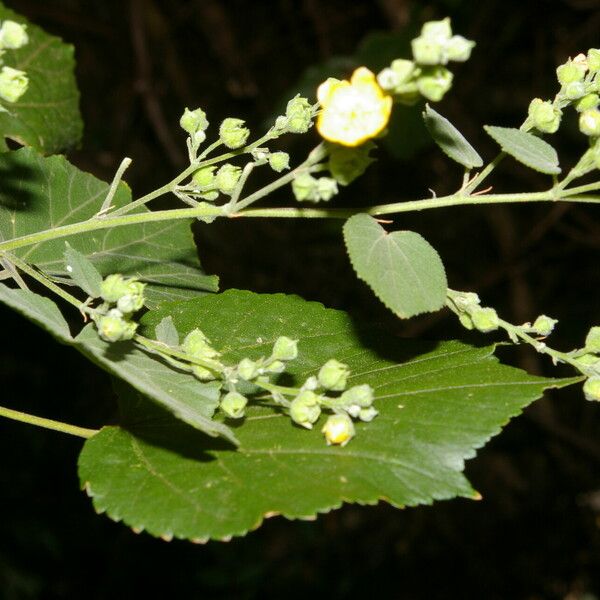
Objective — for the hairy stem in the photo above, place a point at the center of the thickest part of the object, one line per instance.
(16, 415)
(304, 213)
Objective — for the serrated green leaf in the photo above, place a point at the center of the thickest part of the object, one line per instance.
(40, 193)
(41, 311)
(526, 148)
(83, 272)
(47, 116)
(180, 393)
(402, 268)
(167, 333)
(438, 403)
(451, 141)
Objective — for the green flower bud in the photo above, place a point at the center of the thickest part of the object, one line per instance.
(299, 115)
(387, 80)
(333, 375)
(367, 414)
(359, 395)
(260, 155)
(112, 327)
(233, 133)
(204, 177)
(196, 344)
(574, 90)
(591, 389)
(403, 70)
(427, 51)
(589, 122)
(407, 94)
(285, 348)
(587, 102)
(114, 287)
(276, 366)
(593, 60)
(279, 161)
(13, 35)
(311, 383)
(438, 30)
(485, 319)
(545, 116)
(338, 429)
(304, 187)
(466, 321)
(202, 373)
(305, 409)
(327, 188)
(247, 369)
(589, 364)
(592, 340)
(459, 48)
(193, 121)
(13, 84)
(544, 325)
(572, 71)
(346, 164)
(227, 177)
(233, 404)
(434, 82)
(130, 303)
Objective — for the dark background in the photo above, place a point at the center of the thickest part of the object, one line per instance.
(536, 534)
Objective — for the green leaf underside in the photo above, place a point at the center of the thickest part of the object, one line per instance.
(83, 272)
(41, 311)
(47, 116)
(180, 393)
(40, 193)
(526, 148)
(438, 403)
(450, 140)
(402, 268)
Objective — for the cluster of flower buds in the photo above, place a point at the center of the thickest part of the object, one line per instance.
(122, 297)
(233, 403)
(579, 87)
(467, 306)
(317, 394)
(195, 124)
(13, 82)
(588, 359)
(307, 188)
(298, 117)
(426, 75)
(198, 347)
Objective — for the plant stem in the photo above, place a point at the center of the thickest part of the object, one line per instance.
(113, 186)
(44, 280)
(538, 345)
(306, 213)
(165, 189)
(16, 415)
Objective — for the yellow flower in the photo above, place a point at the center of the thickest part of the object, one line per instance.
(352, 111)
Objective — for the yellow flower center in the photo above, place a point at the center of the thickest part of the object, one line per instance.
(352, 111)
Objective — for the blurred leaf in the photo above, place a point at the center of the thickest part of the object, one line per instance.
(438, 403)
(526, 148)
(402, 268)
(451, 141)
(40, 193)
(47, 116)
